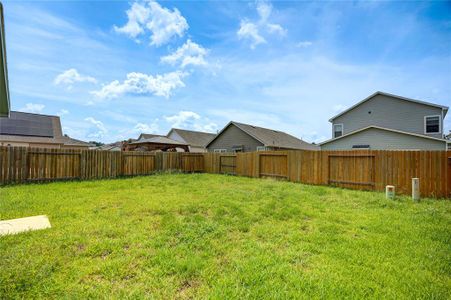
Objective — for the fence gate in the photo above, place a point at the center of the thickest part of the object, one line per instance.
(273, 165)
(352, 171)
(227, 164)
(193, 162)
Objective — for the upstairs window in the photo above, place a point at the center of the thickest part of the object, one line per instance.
(338, 130)
(432, 124)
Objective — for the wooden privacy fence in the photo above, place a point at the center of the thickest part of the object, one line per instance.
(357, 169)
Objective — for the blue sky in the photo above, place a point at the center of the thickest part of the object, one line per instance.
(112, 70)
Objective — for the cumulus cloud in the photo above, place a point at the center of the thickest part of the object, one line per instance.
(139, 83)
(162, 23)
(249, 31)
(253, 31)
(33, 108)
(188, 54)
(146, 128)
(71, 76)
(97, 129)
(191, 120)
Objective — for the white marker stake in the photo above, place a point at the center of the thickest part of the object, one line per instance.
(416, 189)
(24, 224)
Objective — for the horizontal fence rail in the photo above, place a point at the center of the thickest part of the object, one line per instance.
(354, 169)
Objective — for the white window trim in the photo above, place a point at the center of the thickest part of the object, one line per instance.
(333, 129)
(439, 124)
(219, 150)
(261, 148)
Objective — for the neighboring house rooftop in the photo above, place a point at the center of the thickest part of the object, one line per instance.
(270, 137)
(157, 139)
(445, 108)
(35, 128)
(146, 136)
(381, 128)
(28, 124)
(194, 138)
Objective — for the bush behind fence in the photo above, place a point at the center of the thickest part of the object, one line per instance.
(357, 169)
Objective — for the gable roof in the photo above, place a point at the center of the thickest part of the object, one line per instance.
(4, 89)
(383, 128)
(445, 108)
(270, 137)
(194, 138)
(158, 139)
(147, 136)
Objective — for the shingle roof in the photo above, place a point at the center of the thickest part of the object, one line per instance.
(74, 142)
(272, 138)
(147, 136)
(382, 128)
(445, 108)
(158, 139)
(194, 138)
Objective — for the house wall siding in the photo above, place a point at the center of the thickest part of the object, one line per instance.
(384, 140)
(233, 136)
(389, 112)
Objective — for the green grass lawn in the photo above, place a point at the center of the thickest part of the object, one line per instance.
(215, 236)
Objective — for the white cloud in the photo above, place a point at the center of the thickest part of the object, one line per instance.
(252, 31)
(97, 129)
(147, 128)
(191, 120)
(162, 23)
(62, 112)
(139, 83)
(137, 15)
(304, 44)
(71, 76)
(33, 108)
(188, 54)
(276, 28)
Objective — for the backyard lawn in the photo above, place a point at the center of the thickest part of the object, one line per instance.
(215, 236)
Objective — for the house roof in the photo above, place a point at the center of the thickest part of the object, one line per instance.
(4, 89)
(194, 138)
(35, 128)
(158, 139)
(147, 136)
(68, 141)
(382, 128)
(270, 137)
(28, 124)
(445, 108)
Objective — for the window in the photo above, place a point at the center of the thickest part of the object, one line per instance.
(220, 150)
(261, 148)
(432, 124)
(338, 130)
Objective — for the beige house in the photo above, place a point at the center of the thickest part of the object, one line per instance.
(35, 130)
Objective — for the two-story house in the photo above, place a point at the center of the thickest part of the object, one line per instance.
(384, 121)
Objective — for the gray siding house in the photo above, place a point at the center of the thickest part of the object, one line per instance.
(239, 137)
(197, 140)
(385, 121)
